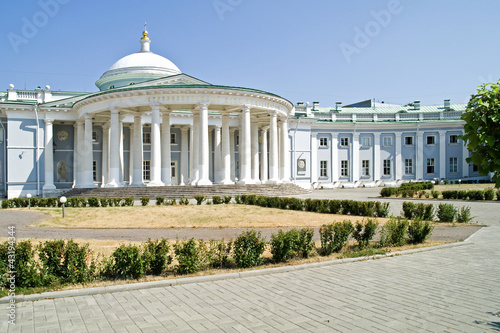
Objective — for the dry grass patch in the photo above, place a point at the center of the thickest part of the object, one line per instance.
(191, 216)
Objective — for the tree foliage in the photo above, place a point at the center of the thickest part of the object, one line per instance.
(482, 130)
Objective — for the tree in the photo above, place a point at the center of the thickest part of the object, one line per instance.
(482, 130)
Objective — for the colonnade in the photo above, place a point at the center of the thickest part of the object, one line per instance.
(257, 163)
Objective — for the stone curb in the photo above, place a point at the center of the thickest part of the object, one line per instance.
(217, 277)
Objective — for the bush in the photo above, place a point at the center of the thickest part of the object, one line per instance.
(446, 212)
(159, 201)
(296, 204)
(408, 209)
(144, 201)
(93, 202)
(388, 191)
(393, 233)
(419, 231)
(248, 247)
(305, 243)
(216, 200)
(183, 201)
(237, 199)
(24, 265)
(435, 194)
(476, 194)
(283, 245)
(462, 195)
(199, 199)
(129, 262)
(128, 201)
(189, 255)
(364, 231)
(464, 215)
(227, 199)
(218, 253)
(156, 255)
(429, 213)
(335, 206)
(105, 202)
(334, 236)
(117, 201)
(489, 194)
(381, 209)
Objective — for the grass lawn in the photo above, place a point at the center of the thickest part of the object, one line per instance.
(190, 216)
(454, 187)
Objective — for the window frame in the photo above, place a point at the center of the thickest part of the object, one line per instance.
(365, 168)
(323, 142)
(430, 165)
(344, 141)
(455, 142)
(389, 138)
(173, 138)
(409, 167)
(453, 165)
(412, 141)
(146, 170)
(146, 138)
(344, 169)
(94, 170)
(367, 138)
(323, 168)
(387, 169)
(433, 143)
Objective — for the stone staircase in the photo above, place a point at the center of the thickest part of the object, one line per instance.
(188, 191)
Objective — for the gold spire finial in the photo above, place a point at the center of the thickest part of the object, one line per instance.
(145, 32)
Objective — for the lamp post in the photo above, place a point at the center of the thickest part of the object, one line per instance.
(29, 200)
(63, 200)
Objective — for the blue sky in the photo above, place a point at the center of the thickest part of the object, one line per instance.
(317, 50)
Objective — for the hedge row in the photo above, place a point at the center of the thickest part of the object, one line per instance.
(325, 206)
(488, 194)
(71, 202)
(444, 212)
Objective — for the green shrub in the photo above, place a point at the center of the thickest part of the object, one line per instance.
(334, 236)
(335, 206)
(105, 202)
(283, 245)
(6, 204)
(462, 195)
(199, 199)
(217, 200)
(24, 264)
(419, 231)
(421, 193)
(218, 253)
(52, 202)
(489, 194)
(464, 215)
(476, 194)
(156, 255)
(388, 192)
(160, 201)
(129, 201)
(248, 247)
(129, 262)
(237, 199)
(366, 208)
(305, 243)
(408, 209)
(183, 201)
(227, 199)
(296, 204)
(381, 209)
(429, 213)
(446, 212)
(144, 201)
(117, 201)
(172, 202)
(364, 231)
(189, 255)
(93, 202)
(394, 232)
(435, 194)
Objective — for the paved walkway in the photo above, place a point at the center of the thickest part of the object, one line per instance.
(455, 289)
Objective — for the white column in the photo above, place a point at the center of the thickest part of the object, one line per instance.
(335, 157)
(203, 146)
(75, 154)
(184, 156)
(314, 157)
(49, 156)
(218, 172)
(114, 147)
(210, 154)
(80, 152)
(255, 151)
(105, 154)
(155, 147)
(138, 152)
(232, 153)
(442, 154)
(226, 151)
(273, 149)
(355, 157)
(166, 158)
(88, 152)
(284, 152)
(195, 174)
(420, 164)
(263, 155)
(122, 169)
(376, 157)
(131, 153)
(398, 161)
(245, 147)
(465, 154)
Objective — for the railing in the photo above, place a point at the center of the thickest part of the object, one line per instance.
(26, 94)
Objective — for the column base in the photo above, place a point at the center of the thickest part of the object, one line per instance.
(226, 182)
(202, 182)
(48, 187)
(246, 182)
(155, 183)
(273, 181)
(137, 184)
(110, 184)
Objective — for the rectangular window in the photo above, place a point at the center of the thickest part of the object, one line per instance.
(146, 170)
(387, 167)
(453, 164)
(237, 140)
(365, 142)
(146, 137)
(344, 168)
(408, 166)
(172, 167)
(323, 168)
(94, 170)
(431, 140)
(387, 141)
(323, 142)
(344, 142)
(431, 164)
(408, 141)
(94, 136)
(453, 138)
(365, 167)
(173, 138)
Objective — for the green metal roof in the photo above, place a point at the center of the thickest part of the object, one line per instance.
(390, 109)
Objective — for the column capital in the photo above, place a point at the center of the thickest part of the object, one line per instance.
(88, 116)
(185, 128)
(265, 128)
(155, 105)
(203, 105)
(114, 110)
(246, 108)
(232, 129)
(48, 121)
(106, 126)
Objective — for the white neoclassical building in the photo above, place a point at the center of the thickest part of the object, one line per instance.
(152, 125)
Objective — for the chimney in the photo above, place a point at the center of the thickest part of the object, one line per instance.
(416, 105)
(338, 106)
(315, 105)
(446, 104)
